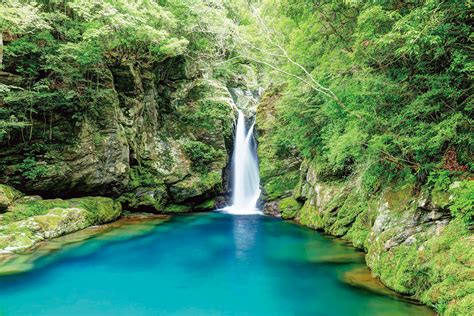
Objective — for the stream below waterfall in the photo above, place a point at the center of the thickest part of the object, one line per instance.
(202, 264)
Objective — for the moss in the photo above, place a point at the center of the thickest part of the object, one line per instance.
(8, 195)
(408, 245)
(146, 197)
(279, 172)
(21, 211)
(399, 196)
(347, 214)
(53, 218)
(289, 207)
(124, 228)
(438, 270)
(359, 231)
(196, 185)
(206, 205)
(309, 215)
(140, 176)
(462, 307)
(177, 208)
(462, 200)
(278, 186)
(100, 209)
(202, 155)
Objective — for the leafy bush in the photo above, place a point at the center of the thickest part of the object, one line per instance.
(31, 169)
(463, 201)
(201, 154)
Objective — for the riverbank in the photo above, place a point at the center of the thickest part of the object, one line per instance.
(128, 226)
(417, 236)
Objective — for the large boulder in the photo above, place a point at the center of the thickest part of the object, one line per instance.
(27, 223)
(8, 195)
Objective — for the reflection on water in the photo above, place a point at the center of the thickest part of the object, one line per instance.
(204, 264)
(244, 232)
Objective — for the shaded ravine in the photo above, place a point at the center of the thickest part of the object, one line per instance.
(201, 264)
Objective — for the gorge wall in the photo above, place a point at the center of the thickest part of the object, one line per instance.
(162, 137)
(411, 239)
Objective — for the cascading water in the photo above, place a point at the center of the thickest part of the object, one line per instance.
(245, 176)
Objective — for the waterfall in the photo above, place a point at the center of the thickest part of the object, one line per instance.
(245, 176)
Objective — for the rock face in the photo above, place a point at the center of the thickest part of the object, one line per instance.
(412, 242)
(278, 176)
(29, 221)
(162, 136)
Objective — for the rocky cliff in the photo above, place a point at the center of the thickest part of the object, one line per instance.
(160, 139)
(413, 243)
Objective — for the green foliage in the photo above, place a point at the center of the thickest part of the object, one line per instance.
(402, 73)
(64, 55)
(289, 207)
(440, 180)
(463, 201)
(142, 177)
(201, 154)
(31, 169)
(278, 186)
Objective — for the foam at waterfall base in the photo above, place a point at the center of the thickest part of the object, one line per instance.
(240, 210)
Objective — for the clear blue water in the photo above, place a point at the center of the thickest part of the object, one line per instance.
(202, 264)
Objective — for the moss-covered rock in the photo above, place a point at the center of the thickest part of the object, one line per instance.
(146, 198)
(196, 186)
(27, 223)
(289, 207)
(177, 208)
(206, 205)
(157, 125)
(8, 195)
(279, 174)
(128, 226)
(413, 243)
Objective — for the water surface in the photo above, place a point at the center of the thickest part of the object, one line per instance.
(202, 264)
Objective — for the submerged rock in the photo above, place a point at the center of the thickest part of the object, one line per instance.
(362, 277)
(128, 226)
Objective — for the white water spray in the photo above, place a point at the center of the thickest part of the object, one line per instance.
(245, 176)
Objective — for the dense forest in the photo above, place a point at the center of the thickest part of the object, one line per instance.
(129, 100)
(382, 89)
